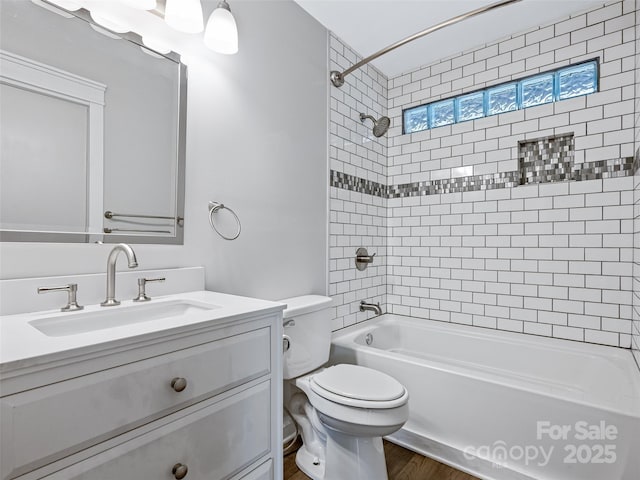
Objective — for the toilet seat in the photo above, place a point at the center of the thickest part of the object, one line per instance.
(360, 387)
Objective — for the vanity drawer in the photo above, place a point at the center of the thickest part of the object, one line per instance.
(214, 443)
(42, 425)
(263, 472)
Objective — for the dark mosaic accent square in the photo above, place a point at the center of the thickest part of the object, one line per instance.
(551, 159)
(548, 159)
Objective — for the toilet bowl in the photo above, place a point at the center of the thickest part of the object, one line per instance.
(342, 411)
(356, 400)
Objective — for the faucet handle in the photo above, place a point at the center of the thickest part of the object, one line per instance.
(363, 258)
(71, 289)
(142, 283)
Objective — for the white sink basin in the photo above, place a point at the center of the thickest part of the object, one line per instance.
(65, 324)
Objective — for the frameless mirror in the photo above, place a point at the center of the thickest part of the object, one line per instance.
(92, 131)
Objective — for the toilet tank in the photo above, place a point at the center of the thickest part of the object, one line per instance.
(307, 324)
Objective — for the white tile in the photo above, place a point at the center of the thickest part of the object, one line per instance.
(589, 186)
(587, 33)
(604, 13)
(537, 329)
(570, 333)
(462, 172)
(602, 338)
(584, 321)
(570, 25)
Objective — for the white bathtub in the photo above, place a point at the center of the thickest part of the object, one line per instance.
(502, 405)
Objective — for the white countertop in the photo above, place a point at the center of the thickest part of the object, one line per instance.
(21, 344)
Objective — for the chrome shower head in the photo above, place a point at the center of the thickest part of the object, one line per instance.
(380, 126)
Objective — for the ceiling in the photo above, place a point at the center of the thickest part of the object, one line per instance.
(370, 25)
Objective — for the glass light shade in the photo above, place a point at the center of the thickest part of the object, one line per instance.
(156, 44)
(221, 34)
(184, 15)
(109, 21)
(140, 4)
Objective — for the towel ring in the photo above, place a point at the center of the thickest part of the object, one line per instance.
(215, 207)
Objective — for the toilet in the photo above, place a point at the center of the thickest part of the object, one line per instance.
(342, 411)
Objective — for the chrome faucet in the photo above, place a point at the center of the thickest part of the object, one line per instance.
(111, 271)
(370, 307)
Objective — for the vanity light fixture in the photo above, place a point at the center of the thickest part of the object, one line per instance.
(184, 15)
(221, 34)
(156, 44)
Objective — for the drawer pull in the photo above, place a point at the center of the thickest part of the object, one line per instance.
(179, 384)
(179, 471)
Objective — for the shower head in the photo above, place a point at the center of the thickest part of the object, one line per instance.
(380, 126)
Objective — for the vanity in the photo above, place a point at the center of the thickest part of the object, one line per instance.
(187, 385)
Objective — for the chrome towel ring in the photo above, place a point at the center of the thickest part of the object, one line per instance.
(215, 207)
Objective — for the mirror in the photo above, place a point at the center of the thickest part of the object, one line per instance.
(93, 131)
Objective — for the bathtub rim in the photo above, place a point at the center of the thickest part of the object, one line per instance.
(345, 338)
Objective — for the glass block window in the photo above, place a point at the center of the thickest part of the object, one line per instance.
(502, 99)
(537, 90)
(442, 113)
(470, 106)
(578, 80)
(560, 84)
(416, 119)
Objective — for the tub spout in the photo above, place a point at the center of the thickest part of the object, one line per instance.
(370, 307)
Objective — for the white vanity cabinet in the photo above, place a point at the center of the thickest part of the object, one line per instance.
(197, 403)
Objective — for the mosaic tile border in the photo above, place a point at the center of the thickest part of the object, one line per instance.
(621, 167)
(357, 184)
(454, 185)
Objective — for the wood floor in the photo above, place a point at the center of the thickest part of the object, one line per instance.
(402, 464)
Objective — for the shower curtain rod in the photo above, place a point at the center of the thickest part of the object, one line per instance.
(337, 78)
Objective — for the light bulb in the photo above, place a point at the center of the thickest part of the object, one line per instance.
(140, 4)
(221, 34)
(184, 15)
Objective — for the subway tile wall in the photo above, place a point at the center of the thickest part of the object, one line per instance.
(635, 329)
(357, 218)
(551, 259)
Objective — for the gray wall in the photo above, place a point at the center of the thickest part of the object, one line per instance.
(256, 141)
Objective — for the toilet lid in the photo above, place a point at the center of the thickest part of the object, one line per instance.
(360, 383)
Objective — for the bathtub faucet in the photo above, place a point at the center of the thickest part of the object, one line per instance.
(371, 307)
